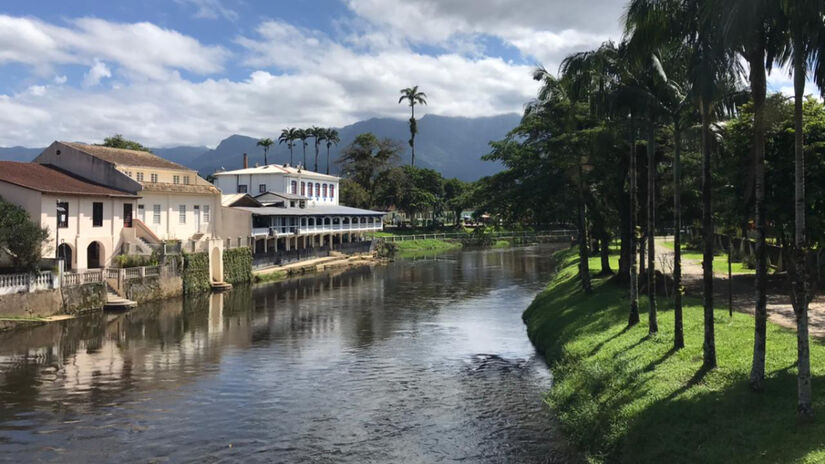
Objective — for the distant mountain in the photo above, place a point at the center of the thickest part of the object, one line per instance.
(450, 145)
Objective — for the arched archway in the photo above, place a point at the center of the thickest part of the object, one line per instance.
(215, 267)
(64, 251)
(94, 255)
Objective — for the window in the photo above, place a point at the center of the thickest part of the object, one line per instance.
(97, 214)
(294, 187)
(129, 173)
(185, 180)
(332, 190)
(242, 188)
(154, 178)
(205, 213)
(262, 188)
(156, 214)
(142, 213)
(140, 177)
(176, 179)
(317, 190)
(303, 188)
(62, 214)
(182, 214)
(325, 190)
(291, 203)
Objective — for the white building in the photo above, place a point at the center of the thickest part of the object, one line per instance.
(94, 221)
(175, 203)
(293, 213)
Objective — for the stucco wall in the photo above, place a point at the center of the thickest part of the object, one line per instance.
(170, 226)
(23, 197)
(235, 224)
(87, 166)
(82, 298)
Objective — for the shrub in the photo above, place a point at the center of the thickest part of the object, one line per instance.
(237, 265)
(195, 273)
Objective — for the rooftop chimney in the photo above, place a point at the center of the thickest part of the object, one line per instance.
(245, 161)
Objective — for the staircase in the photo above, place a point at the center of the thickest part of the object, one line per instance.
(116, 303)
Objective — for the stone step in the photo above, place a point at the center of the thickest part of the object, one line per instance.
(114, 302)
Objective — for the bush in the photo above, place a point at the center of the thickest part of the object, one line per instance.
(21, 237)
(195, 273)
(237, 265)
(126, 261)
(384, 249)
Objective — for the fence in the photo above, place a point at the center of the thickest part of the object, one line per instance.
(282, 257)
(553, 234)
(16, 283)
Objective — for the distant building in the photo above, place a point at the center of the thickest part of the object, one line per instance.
(94, 220)
(175, 203)
(292, 211)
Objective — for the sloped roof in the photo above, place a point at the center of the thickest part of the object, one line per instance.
(282, 169)
(125, 157)
(179, 188)
(326, 210)
(239, 199)
(286, 196)
(48, 179)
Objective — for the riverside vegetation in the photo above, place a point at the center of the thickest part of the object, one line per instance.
(624, 395)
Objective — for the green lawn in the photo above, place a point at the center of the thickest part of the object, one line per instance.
(623, 396)
(413, 248)
(720, 261)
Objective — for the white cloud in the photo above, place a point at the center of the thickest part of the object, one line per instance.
(60, 80)
(143, 49)
(98, 71)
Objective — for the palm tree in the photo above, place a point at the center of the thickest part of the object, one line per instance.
(318, 134)
(709, 73)
(332, 138)
(288, 137)
(752, 29)
(303, 135)
(266, 143)
(805, 28)
(414, 97)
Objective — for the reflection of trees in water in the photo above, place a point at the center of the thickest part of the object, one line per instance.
(162, 344)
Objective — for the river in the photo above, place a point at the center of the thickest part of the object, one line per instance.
(416, 361)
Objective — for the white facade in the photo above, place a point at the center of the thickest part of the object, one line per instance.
(318, 189)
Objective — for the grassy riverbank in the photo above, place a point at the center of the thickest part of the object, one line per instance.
(409, 248)
(622, 396)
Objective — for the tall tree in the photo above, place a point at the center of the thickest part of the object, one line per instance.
(414, 97)
(288, 137)
(366, 159)
(303, 135)
(804, 19)
(318, 134)
(754, 29)
(119, 141)
(332, 138)
(265, 143)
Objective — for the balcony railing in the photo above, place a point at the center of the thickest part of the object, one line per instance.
(281, 231)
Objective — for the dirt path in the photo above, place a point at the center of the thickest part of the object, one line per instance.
(780, 310)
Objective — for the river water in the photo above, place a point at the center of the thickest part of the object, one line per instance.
(418, 361)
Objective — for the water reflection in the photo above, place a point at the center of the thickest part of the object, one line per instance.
(422, 360)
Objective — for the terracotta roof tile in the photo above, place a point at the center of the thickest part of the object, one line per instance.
(179, 188)
(48, 179)
(126, 157)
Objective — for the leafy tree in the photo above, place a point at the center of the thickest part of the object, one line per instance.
(366, 159)
(21, 238)
(265, 143)
(118, 141)
(413, 97)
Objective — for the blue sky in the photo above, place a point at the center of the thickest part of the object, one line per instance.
(173, 72)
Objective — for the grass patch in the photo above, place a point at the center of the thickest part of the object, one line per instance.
(501, 244)
(412, 248)
(274, 276)
(22, 318)
(622, 396)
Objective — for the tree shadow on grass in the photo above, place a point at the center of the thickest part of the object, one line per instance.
(733, 425)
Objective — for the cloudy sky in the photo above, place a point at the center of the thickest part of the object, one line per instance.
(174, 72)
(169, 72)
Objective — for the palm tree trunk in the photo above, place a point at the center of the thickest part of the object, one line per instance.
(584, 258)
(653, 324)
(709, 345)
(412, 133)
(327, 159)
(804, 408)
(316, 155)
(678, 329)
(633, 319)
(756, 61)
(290, 155)
(265, 159)
(305, 153)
